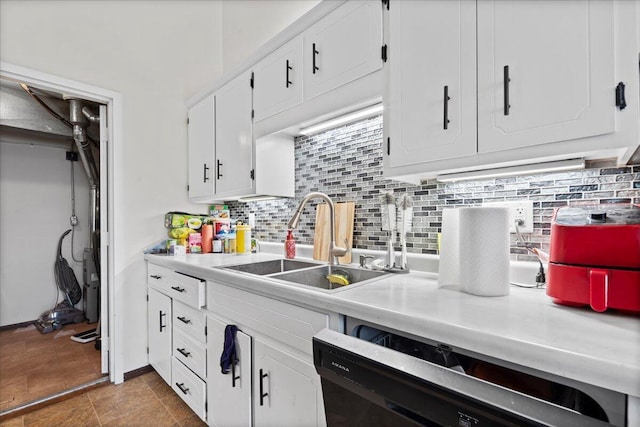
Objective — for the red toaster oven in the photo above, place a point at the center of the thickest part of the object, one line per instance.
(594, 257)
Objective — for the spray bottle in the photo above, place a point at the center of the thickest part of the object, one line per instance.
(290, 246)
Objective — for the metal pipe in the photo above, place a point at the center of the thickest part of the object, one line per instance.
(93, 117)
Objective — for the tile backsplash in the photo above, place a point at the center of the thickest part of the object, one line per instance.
(346, 163)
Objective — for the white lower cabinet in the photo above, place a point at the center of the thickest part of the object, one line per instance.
(177, 335)
(159, 317)
(229, 394)
(286, 389)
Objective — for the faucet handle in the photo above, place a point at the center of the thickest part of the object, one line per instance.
(363, 261)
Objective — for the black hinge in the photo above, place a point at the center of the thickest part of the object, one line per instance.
(251, 81)
(386, 3)
(147, 350)
(205, 330)
(388, 146)
(187, 120)
(187, 187)
(621, 103)
(253, 174)
(206, 407)
(253, 114)
(384, 53)
(148, 294)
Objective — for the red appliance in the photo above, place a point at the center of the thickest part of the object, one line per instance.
(595, 257)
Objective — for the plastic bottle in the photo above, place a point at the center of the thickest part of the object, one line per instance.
(243, 239)
(290, 246)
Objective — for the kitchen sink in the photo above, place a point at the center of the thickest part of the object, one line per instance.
(317, 277)
(265, 268)
(305, 273)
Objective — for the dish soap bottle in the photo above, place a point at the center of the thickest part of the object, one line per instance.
(290, 246)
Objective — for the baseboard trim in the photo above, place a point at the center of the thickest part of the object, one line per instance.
(54, 398)
(137, 372)
(16, 326)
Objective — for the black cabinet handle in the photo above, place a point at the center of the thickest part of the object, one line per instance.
(184, 352)
(507, 79)
(184, 319)
(219, 175)
(446, 107)
(234, 378)
(182, 387)
(289, 68)
(205, 178)
(177, 288)
(315, 52)
(161, 316)
(262, 393)
(155, 276)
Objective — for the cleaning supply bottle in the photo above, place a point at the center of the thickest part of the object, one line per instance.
(290, 246)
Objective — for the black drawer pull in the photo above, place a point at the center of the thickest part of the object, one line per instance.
(184, 352)
(155, 276)
(205, 177)
(161, 316)
(262, 393)
(289, 68)
(182, 388)
(184, 320)
(446, 107)
(507, 79)
(315, 52)
(219, 173)
(233, 374)
(178, 288)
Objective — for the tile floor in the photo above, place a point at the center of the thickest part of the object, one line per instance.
(142, 401)
(35, 365)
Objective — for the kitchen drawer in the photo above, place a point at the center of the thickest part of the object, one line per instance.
(189, 320)
(287, 323)
(189, 387)
(189, 290)
(190, 352)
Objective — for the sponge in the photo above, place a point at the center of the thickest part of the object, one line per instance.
(338, 279)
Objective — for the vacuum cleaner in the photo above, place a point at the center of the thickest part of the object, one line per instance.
(64, 312)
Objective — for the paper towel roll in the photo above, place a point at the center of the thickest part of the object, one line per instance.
(484, 251)
(449, 264)
(207, 236)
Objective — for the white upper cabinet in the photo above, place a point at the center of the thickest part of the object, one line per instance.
(234, 140)
(201, 130)
(526, 81)
(546, 72)
(278, 80)
(343, 46)
(430, 109)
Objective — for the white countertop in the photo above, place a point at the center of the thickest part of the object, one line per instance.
(524, 328)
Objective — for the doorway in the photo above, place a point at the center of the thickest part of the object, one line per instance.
(63, 354)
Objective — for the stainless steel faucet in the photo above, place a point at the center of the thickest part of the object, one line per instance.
(334, 251)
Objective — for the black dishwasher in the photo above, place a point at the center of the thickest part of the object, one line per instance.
(378, 378)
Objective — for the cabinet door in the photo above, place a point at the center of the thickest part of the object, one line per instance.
(278, 80)
(159, 312)
(545, 72)
(342, 47)
(286, 389)
(431, 99)
(229, 398)
(234, 139)
(201, 149)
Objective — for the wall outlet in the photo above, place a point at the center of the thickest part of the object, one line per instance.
(252, 220)
(522, 211)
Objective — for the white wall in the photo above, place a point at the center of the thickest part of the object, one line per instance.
(156, 54)
(248, 24)
(35, 195)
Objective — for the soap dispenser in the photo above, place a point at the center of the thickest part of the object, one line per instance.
(290, 246)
